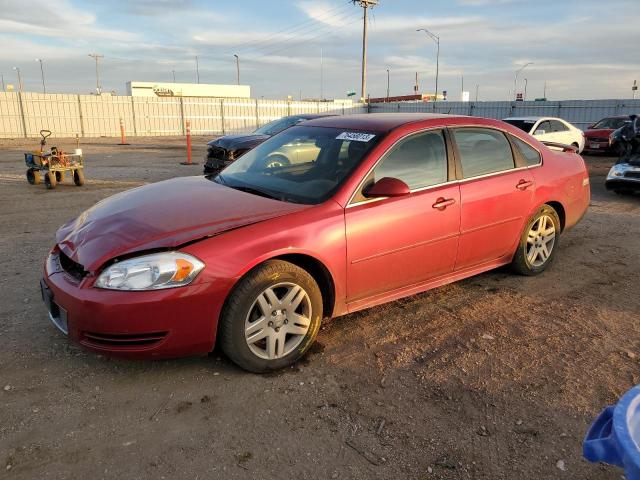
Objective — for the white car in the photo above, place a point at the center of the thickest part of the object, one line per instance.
(550, 129)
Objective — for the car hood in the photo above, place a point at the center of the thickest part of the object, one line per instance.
(601, 132)
(234, 142)
(162, 215)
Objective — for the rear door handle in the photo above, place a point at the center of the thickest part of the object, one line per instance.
(442, 203)
(524, 184)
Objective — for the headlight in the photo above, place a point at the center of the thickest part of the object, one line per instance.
(151, 272)
(616, 171)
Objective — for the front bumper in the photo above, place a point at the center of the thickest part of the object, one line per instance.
(166, 323)
(622, 183)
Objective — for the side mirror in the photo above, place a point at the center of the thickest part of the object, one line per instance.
(539, 132)
(590, 127)
(387, 187)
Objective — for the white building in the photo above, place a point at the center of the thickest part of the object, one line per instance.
(162, 89)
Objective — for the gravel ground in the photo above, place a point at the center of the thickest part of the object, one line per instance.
(494, 377)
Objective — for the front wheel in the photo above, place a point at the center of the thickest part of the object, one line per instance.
(271, 318)
(538, 243)
(78, 177)
(50, 180)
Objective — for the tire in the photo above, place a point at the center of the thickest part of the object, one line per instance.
(59, 177)
(250, 306)
(78, 177)
(574, 144)
(525, 260)
(33, 176)
(50, 180)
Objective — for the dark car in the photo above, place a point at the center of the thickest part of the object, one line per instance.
(597, 135)
(224, 150)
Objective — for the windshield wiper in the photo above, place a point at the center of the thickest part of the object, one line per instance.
(255, 191)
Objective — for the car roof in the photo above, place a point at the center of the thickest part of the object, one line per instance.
(376, 122)
(311, 116)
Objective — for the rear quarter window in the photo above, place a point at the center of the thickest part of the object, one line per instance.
(530, 154)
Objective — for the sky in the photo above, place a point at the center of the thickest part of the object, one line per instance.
(581, 49)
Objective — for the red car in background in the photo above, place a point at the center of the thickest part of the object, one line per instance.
(392, 205)
(597, 135)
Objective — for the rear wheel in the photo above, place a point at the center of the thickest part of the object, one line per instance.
(33, 176)
(78, 177)
(271, 318)
(59, 177)
(50, 180)
(538, 243)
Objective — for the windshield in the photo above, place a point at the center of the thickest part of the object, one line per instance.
(301, 164)
(277, 126)
(525, 125)
(613, 123)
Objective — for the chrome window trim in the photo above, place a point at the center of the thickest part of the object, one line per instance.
(452, 182)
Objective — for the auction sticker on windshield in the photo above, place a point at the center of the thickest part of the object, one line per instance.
(355, 136)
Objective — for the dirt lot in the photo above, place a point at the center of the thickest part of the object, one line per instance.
(495, 377)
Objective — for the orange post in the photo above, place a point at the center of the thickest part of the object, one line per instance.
(188, 132)
(123, 139)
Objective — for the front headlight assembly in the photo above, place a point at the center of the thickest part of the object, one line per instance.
(616, 171)
(151, 272)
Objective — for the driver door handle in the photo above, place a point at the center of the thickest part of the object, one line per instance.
(524, 184)
(442, 203)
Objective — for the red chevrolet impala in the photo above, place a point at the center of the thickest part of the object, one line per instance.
(252, 259)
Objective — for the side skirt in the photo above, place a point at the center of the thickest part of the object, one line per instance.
(409, 290)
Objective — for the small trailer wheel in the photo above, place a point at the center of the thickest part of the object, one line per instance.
(33, 176)
(50, 180)
(59, 177)
(78, 177)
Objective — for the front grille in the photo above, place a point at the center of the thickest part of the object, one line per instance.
(123, 341)
(74, 269)
(632, 174)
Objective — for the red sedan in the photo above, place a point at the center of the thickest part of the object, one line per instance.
(252, 259)
(596, 137)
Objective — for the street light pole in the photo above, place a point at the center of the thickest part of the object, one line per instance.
(44, 88)
(515, 78)
(19, 77)
(525, 89)
(197, 70)
(436, 39)
(174, 75)
(477, 89)
(2, 77)
(237, 68)
(387, 84)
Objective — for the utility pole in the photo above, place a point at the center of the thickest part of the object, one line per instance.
(365, 4)
(3, 89)
(237, 69)
(436, 39)
(197, 70)
(321, 75)
(544, 95)
(17, 69)
(416, 87)
(515, 79)
(461, 87)
(477, 89)
(44, 88)
(634, 88)
(387, 84)
(174, 75)
(97, 57)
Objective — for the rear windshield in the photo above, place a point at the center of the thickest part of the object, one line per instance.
(525, 125)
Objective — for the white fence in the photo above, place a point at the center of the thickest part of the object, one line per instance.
(581, 113)
(25, 114)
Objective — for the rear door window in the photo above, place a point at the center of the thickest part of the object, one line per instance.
(542, 128)
(482, 151)
(557, 126)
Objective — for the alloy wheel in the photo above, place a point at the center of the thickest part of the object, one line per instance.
(278, 320)
(540, 240)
